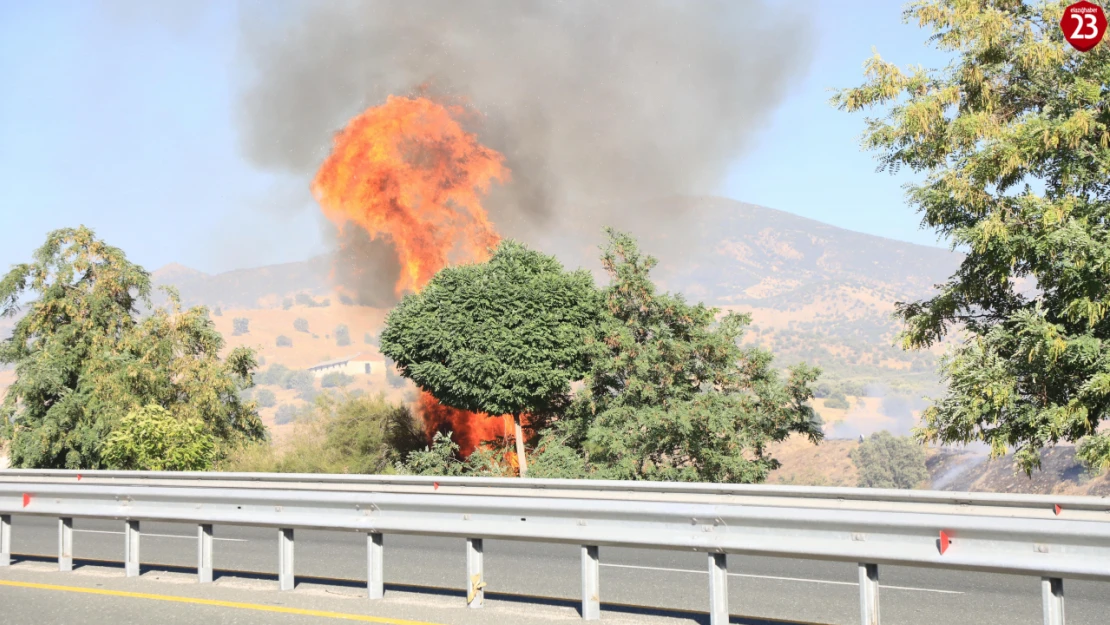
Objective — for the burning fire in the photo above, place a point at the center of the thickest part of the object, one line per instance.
(470, 429)
(408, 171)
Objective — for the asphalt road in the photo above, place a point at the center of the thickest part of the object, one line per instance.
(531, 582)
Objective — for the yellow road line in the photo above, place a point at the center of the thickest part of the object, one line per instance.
(222, 604)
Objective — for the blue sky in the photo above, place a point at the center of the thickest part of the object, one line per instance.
(125, 123)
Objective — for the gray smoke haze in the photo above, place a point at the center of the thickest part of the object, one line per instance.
(595, 105)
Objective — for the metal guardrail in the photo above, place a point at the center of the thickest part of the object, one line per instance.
(1051, 548)
(940, 502)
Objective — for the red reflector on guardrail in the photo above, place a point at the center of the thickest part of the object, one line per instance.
(945, 541)
(435, 485)
(78, 477)
(1058, 509)
(26, 499)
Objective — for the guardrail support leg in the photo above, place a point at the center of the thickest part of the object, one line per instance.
(1052, 593)
(65, 544)
(591, 583)
(5, 539)
(475, 576)
(204, 553)
(869, 594)
(131, 548)
(285, 558)
(375, 565)
(718, 589)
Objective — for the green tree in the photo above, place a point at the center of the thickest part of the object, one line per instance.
(240, 326)
(265, 398)
(285, 413)
(336, 379)
(152, 439)
(888, 461)
(84, 359)
(300, 324)
(442, 458)
(284, 341)
(342, 336)
(837, 401)
(287, 303)
(670, 394)
(1012, 140)
(345, 434)
(501, 337)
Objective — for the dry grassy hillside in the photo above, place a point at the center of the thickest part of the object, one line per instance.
(318, 344)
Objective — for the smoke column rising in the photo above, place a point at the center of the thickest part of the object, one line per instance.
(594, 104)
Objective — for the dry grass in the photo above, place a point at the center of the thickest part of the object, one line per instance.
(266, 324)
(803, 463)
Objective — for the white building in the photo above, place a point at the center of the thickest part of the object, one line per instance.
(358, 364)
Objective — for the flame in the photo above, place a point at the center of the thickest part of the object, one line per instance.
(471, 429)
(408, 171)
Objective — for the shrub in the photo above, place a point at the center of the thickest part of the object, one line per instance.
(275, 375)
(391, 376)
(240, 326)
(822, 390)
(216, 311)
(336, 379)
(300, 381)
(303, 299)
(837, 401)
(284, 341)
(342, 336)
(888, 461)
(265, 398)
(346, 301)
(287, 303)
(339, 435)
(369, 339)
(151, 439)
(286, 413)
(300, 324)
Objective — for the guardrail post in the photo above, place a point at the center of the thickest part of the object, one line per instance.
(285, 558)
(1052, 593)
(131, 548)
(718, 589)
(5, 539)
(869, 594)
(204, 553)
(591, 583)
(375, 565)
(65, 544)
(475, 577)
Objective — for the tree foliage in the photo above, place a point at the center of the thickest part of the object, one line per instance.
(265, 398)
(152, 439)
(888, 461)
(669, 394)
(342, 335)
(501, 337)
(442, 458)
(345, 434)
(1012, 140)
(336, 379)
(240, 326)
(84, 359)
